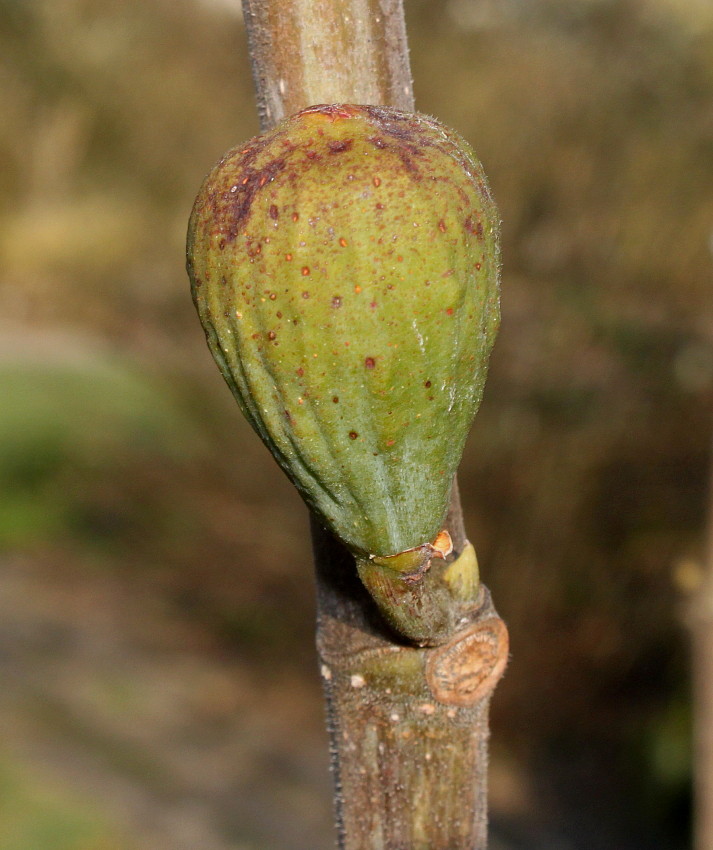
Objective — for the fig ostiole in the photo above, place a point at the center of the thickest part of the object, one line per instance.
(345, 269)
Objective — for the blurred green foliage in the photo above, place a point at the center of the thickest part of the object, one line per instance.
(62, 426)
(585, 477)
(38, 814)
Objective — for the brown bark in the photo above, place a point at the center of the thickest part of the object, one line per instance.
(408, 725)
(305, 52)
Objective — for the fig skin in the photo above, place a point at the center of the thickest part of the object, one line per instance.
(345, 268)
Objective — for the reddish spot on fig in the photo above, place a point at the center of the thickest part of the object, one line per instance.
(449, 311)
(390, 442)
(274, 212)
(442, 226)
(427, 384)
(272, 296)
(369, 363)
(377, 181)
(305, 271)
(373, 305)
(357, 289)
(221, 244)
(223, 281)
(340, 146)
(335, 399)
(474, 227)
(330, 111)
(378, 142)
(343, 242)
(295, 216)
(305, 294)
(300, 372)
(379, 206)
(278, 314)
(337, 301)
(478, 266)
(271, 335)
(237, 205)
(353, 435)
(288, 257)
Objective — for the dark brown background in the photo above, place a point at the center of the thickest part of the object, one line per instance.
(157, 681)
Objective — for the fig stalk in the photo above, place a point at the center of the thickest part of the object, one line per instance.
(408, 724)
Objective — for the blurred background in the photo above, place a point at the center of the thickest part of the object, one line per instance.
(158, 688)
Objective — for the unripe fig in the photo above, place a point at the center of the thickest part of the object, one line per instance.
(345, 268)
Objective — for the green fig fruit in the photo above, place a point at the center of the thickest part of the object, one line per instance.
(345, 268)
